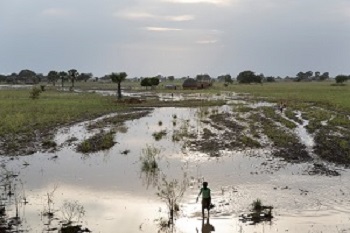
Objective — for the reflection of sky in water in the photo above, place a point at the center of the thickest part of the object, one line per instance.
(112, 189)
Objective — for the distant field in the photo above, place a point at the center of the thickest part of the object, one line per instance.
(19, 112)
(334, 97)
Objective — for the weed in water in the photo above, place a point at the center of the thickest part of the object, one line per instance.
(159, 135)
(100, 141)
(149, 165)
(160, 123)
(125, 152)
(171, 192)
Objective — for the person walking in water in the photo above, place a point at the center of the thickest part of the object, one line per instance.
(206, 198)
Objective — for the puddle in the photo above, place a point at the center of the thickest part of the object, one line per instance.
(9, 86)
(117, 197)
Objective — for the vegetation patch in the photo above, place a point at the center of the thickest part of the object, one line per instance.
(332, 146)
(159, 135)
(259, 213)
(118, 121)
(286, 144)
(25, 124)
(271, 114)
(98, 142)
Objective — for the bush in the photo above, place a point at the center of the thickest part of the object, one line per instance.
(35, 93)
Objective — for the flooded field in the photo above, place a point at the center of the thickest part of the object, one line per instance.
(112, 191)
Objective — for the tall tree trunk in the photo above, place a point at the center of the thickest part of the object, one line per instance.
(119, 91)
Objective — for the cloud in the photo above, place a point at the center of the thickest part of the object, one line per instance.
(56, 12)
(161, 29)
(134, 15)
(206, 41)
(145, 15)
(180, 18)
(216, 2)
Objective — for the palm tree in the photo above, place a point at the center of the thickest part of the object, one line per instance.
(63, 76)
(73, 74)
(118, 78)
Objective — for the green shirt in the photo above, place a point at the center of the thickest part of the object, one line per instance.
(205, 192)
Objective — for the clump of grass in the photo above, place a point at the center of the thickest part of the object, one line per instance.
(125, 152)
(249, 142)
(49, 144)
(174, 116)
(242, 109)
(160, 123)
(159, 135)
(270, 113)
(257, 205)
(149, 165)
(98, 142)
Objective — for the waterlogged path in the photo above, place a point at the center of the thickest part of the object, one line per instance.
(118, 197)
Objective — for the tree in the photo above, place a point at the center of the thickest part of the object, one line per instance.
(145, 82)
(154, 81)
(203, 77)
(73, 74)
(84, 76)
(118, 78)
(171, 78)
(248, 77)
(225, 78)
(341, 78)
(3, 78)
(27, 76)
(270, 79)
(53, 76)
(324, 76)
(63, 75)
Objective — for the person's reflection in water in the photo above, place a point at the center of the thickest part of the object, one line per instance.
(207, 227)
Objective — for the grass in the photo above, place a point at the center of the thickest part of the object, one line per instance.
(322, 93)
(98, 142)
(21, 114)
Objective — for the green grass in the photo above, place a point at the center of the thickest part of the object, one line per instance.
(98, 142)
(334, 97)
(21, 114)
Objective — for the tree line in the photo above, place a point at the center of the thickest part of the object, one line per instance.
(30, 77)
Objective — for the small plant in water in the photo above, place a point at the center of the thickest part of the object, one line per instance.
(125, 152)
(257, 205)
(149, 165)
(72, 212)
(50, 195)
(171, 192)
(259, 213)
(174, 116)
(159, 135)
(160, 123)
(100, 141)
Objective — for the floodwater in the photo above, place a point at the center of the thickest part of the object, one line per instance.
(118, 197)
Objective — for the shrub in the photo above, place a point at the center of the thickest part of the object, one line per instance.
(35, 93)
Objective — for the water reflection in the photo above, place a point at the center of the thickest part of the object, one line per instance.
(206, 227)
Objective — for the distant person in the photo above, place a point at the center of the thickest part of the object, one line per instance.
(206, 198)
(282, 106)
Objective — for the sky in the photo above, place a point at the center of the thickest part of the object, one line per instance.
(175, 37)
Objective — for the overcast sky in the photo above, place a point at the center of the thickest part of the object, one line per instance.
(175, 37)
